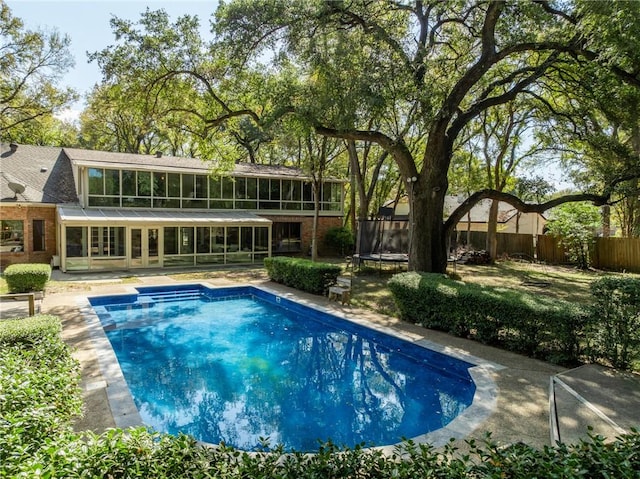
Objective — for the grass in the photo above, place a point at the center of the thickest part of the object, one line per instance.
(369, 284)
(561, 282)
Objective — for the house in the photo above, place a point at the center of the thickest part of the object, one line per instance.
(509, 219)
(88, 210)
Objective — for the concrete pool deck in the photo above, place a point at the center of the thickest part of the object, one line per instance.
(520, 411)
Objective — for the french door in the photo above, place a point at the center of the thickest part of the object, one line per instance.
(145, 244)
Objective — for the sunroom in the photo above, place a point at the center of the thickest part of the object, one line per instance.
(108, 239)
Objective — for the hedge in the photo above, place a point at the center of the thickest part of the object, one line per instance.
(39, 394)
(303, 274)
(615, 336)
(515, 320)
(28, 277)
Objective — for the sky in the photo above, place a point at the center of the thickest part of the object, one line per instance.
(87, 24)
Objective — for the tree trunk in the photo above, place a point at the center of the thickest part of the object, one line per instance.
(428, 250)
(606, 221)
(492, 231)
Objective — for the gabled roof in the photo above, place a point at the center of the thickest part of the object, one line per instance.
(44, 172)
(478, 214)
(107, 159)
(47, 172)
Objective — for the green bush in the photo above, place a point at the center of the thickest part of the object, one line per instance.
(39, 394)
(303, 274)
(615, 320)
(25, 278)
(515, 320)
(340, 239)
(138, 453)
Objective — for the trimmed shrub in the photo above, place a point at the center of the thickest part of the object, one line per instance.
(303, 274)
(515, 320)
(28, 277)
(615, 320)
(340, 239)
(39, 393)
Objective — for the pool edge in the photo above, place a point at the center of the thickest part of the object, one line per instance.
(484, 403)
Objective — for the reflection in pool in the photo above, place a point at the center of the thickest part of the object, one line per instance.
(241, 364)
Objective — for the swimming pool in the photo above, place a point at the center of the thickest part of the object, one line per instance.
(240, 364)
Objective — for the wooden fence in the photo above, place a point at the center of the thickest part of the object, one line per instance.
(508, 243)
(617, 254)
(549, 250)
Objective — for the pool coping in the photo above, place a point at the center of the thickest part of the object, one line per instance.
(125, 413)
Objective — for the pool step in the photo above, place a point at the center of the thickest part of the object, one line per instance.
(172, 295)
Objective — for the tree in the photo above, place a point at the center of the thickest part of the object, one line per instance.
(179, 89)
(438, 66)
(31, 65)
(575, 224)
(500, 138)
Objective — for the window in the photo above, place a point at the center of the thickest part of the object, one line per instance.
(226, 201)
(96, 181)
(136, 189)
(76, 241)
(269, 191)
(233, 239)
(261, 239)
(104, 187)
(331, 196)
(307, 196)
(171, 240)
(166, 190)
(246, 193)
(203, 235)
(186, 240)
(173, 189)
(287, 237)
(12, 236)
(107, 241)
(39, 243)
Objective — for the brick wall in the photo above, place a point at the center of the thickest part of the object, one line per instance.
(27, 214)
(306, 228)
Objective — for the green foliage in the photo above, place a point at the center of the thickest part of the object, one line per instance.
(303, 274)
(28, 277)
(28, 330)
(32, 64)
(515, 320)
(575, 224)
(39, 392)
(615, 324)
(340, 238)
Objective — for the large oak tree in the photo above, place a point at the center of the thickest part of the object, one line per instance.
(439, 65)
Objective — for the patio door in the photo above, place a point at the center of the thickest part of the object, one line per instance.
(145, 248)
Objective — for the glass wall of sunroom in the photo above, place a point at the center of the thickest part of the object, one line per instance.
(158, 189)
(148, 244)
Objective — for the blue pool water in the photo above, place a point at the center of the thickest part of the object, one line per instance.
(240, 364)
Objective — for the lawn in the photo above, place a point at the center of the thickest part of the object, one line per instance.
(369, 284)
(562, 282)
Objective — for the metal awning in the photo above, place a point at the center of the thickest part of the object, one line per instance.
(82, 216)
